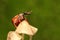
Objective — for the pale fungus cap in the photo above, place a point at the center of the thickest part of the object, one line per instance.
(25, 28)
(12, 35)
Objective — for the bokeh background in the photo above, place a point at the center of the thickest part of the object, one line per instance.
(45, 16)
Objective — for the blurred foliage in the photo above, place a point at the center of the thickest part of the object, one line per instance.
(45, 16)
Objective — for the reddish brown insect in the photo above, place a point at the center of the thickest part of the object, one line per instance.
(19, 18)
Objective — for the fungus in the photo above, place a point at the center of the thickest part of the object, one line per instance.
(25, 28)
(12, 35)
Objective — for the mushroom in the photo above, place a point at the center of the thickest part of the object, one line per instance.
(12, 35)
(25, 28)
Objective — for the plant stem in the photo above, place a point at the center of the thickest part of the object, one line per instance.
(22, 36)
(30, 37)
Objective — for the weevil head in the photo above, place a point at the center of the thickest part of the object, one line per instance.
(22, 15)
(27, 12)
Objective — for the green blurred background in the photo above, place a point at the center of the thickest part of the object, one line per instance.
(45, 16)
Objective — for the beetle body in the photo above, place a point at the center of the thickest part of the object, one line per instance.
(15, 21)
(19, 18)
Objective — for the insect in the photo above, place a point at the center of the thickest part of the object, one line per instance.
(19, 18)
